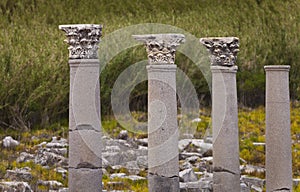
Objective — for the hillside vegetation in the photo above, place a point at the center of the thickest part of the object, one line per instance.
(34, 73)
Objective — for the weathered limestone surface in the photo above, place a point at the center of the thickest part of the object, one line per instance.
(85, 149)
(163, 158)
(224, 113)
(166, 184)
(83, 40)
(84, 108)
(84, 105)
(223, 50)
(161, 48)
(278, 137)
(85, 179)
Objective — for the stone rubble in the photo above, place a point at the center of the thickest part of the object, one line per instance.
(126, 159)
(9, 142)
(52, 153)
(13, 186)
(22, 174)
(52, 185)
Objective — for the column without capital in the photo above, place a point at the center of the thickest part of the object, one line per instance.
(278, 135)
(84, 108)
(163, 160)
(226, 167)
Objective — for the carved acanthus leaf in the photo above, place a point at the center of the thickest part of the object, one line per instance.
(161, 48)
(83, 40)
(223, 50)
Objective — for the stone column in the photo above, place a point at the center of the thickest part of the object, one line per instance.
(84, 108)
(278, 135)
(163, 160)
(223, 52)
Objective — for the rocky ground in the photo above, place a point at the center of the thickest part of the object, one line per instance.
(124, 158)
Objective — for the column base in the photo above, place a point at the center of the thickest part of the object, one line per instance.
(159, 183)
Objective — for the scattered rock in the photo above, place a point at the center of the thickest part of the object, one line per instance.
(187, 175)
(21, 174)
(208, 139)
(113, 148)
(245, 187)
(132, 167)
(118, 158)
(9, 142)
(123, 135)
(130, 156)
(57, 142)
(63, 190)
(117, 167)
(250, 169)
(185, 165)
(135, 177)
(15, 187)
(193, 159)
(115, 185)
(142, 161)
(197, 186)
(25, 157)
(42, 144)
(296, 182)
(44, 157)
(256, 189)
(142, 142)
(183, 143)
(52, 185)
(253, 181)
(117, 175)
(196, 120)
(185, 155)
(62, 171)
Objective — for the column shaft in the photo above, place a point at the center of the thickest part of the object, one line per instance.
(84, 126)
(85, 163)
(162, 129)
(278, 138)
(225, 129)
(163, 160)
(223, 54)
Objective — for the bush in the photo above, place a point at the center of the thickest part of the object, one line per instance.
(34, 73)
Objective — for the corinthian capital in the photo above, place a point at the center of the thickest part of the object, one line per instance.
(83, 40)
(161, 48)
(223, 50)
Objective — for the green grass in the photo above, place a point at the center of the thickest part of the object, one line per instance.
(34, 73)
(251, 127)
(28, 144)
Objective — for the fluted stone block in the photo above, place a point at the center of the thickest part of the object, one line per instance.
(278, 136)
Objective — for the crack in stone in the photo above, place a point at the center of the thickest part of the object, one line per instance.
(85, 165)
(282, 189)
(155, 174)
(85, 127)
(220, 169)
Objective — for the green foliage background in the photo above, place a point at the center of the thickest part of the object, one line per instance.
(34, 74)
